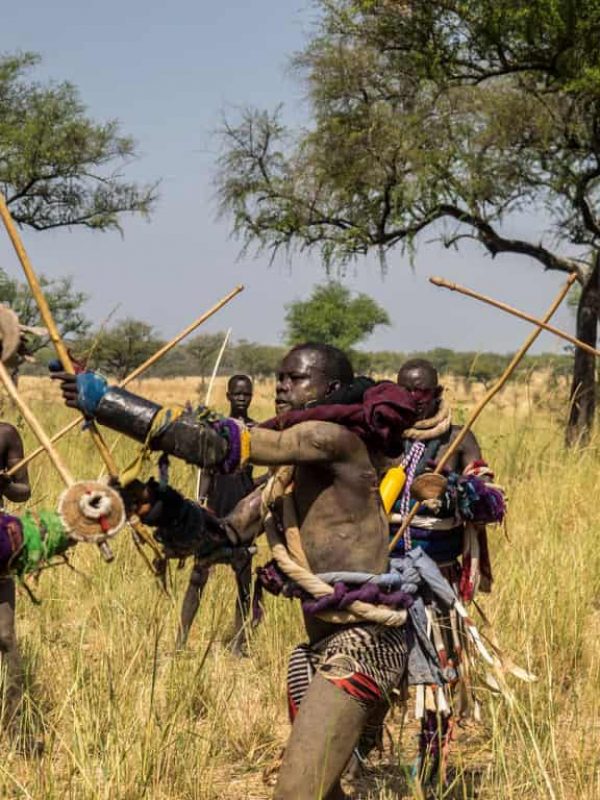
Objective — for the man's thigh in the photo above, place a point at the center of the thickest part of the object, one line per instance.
(323, 735)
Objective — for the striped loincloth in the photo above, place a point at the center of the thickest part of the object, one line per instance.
(365, 661)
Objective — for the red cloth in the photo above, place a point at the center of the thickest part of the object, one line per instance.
(385, 412)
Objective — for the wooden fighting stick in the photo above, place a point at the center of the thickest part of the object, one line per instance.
(49, 323)
(456, 287)
(211, 383)
(166, 348)
(484, 401)
(56, 459)
(65, 359)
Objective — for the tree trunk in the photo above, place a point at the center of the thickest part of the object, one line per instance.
(583, 387)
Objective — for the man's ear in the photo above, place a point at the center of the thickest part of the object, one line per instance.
(333, 387)
(439, 391)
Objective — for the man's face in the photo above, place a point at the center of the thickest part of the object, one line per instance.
(301, 379)
(240, 397)
(423, 389)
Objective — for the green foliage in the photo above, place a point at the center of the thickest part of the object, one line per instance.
(122, 348)
(260, 361)
(202, 353)
(449, 115)
(256, 360)
(332, 315)
(460, 111)
(64, 301)
(59, 167)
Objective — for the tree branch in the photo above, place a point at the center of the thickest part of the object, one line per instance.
(495, 243)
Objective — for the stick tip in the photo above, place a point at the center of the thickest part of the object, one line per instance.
(437, 281)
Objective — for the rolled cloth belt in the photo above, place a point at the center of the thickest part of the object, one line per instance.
(278, 486)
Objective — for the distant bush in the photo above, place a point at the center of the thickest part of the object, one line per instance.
(197, 357)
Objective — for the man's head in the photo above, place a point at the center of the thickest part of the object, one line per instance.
(309, 373)
(420, 378)
(239, 394)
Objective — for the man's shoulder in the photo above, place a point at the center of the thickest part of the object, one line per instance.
(332, 437)
(8, 430)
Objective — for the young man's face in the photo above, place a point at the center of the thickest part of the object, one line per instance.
(301, 379)
(425, 391)
(240, 397)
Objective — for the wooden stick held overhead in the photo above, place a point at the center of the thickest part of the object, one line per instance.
(166, 348)
(211, 383)
(456, 287)
(50, 324)
(502, 380)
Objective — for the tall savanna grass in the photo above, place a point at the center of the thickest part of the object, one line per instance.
(124, 716)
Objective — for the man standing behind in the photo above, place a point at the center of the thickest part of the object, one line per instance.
(424, 444)
(450, 528)
(16, 489)
(221, 493)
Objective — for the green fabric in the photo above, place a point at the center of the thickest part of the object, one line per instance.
(44, 537)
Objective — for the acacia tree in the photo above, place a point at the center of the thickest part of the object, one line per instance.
(59, 167)
(332, 315)
(454, 114)
(125, 346)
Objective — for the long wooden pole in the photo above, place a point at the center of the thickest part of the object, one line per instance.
(50, 324)
(485, 400)
(211, 383)
(456, 287)
(35, 426)
(136, 373)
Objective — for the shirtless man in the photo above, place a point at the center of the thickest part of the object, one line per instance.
(342, 526)
(221, 493)
(16, 489)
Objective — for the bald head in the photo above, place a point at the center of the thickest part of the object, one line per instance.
(309, 373)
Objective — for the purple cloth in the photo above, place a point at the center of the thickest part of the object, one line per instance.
(342, 597)
(230, 431)
(385, 412)
(488, 504)
(268, 578)
(273, 580)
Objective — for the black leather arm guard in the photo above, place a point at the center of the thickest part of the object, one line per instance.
(186, 437)
(185, 528)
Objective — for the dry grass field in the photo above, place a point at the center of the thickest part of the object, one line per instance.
(125, 717)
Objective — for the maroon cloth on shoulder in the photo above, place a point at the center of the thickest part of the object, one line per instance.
(385, 412)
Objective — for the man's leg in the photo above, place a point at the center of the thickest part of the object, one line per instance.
(191, 602)
(12, 665)
(324, 733)
(243, 580)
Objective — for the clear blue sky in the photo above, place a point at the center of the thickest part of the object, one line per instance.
(167, 71)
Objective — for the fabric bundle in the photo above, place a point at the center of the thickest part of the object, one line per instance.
(379, 418)
(475, 500)
(29, 543)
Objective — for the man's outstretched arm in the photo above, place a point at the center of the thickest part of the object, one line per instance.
(201, 442)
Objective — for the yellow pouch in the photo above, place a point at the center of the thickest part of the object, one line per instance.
(390, 487)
